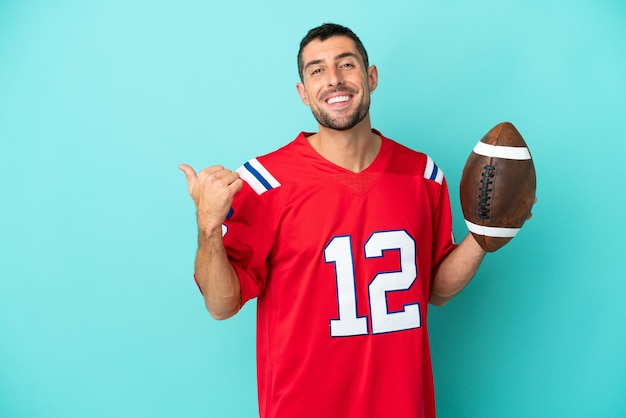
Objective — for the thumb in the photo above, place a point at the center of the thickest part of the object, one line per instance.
(190, 175)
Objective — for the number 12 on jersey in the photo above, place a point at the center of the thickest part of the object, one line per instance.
(339, 252)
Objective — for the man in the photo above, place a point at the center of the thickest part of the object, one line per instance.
(344, 236)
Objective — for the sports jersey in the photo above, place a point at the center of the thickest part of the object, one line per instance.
(341, 264)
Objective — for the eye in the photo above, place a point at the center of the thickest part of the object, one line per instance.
(346, 65)
(316, 71)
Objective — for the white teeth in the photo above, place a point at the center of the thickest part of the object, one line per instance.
(338, 99)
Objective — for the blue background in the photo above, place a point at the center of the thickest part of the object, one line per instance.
(100, 101)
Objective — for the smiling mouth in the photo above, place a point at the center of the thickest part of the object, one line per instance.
(338, 99)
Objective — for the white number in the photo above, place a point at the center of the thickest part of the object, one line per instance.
(382, 319)
(339, 251)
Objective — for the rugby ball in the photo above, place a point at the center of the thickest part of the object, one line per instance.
(498, 187)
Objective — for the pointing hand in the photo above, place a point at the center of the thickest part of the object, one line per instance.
(212, 190)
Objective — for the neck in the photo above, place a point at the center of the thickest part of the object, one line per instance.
(353, 149)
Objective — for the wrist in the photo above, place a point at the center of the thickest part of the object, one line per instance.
(209, 233)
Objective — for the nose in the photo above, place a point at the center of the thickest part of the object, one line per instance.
(334, 78)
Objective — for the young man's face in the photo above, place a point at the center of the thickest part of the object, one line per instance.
(335, 83)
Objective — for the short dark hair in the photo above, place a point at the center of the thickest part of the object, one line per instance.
(324, 32)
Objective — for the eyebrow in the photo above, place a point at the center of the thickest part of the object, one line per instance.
(338, 57)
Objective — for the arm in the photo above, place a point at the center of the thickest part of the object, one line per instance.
(212, 190)
(456, 271)
(216, 276)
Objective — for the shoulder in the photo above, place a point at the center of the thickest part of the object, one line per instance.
(415, 163)
(257, 176)
(271, 171)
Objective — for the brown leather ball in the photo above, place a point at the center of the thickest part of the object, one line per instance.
(498, 187)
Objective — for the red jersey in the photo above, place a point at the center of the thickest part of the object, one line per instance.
(341, 264)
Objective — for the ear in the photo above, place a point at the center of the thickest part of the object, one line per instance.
(302, 93)
(372, 77)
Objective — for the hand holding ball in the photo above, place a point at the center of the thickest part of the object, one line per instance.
(498, 187)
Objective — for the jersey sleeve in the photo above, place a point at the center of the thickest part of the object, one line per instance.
(443, 235)
(248, 233)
